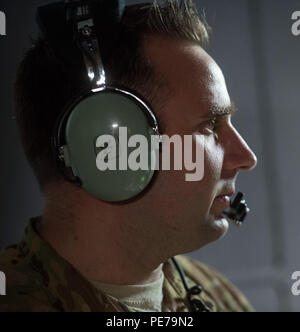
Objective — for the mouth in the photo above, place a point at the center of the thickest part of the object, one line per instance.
(223, 201)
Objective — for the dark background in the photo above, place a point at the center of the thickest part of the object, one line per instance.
(253, 43)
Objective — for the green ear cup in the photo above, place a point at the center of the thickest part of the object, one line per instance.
(103, 113)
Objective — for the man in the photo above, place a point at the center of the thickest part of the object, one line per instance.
(84, 254)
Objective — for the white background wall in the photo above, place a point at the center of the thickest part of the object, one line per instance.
(253, 44)
(260, 57)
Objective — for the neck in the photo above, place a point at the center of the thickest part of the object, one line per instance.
(104, 242)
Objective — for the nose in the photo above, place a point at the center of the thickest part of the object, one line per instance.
(238, 155)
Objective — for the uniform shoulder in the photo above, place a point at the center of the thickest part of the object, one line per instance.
(226, 296)
(19, 289)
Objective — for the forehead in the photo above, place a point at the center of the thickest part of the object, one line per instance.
(196, 82)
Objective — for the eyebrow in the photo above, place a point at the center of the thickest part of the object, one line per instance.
(217, 111)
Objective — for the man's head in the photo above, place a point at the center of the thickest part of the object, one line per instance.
(200, 105)
(161, 56)
(44, 84)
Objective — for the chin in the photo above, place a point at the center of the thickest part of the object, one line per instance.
(220, 227)
(216, 228)
(212, 231)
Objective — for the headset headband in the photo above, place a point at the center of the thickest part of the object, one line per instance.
(60, 23)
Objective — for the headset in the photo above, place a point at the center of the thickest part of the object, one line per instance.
(85, 33)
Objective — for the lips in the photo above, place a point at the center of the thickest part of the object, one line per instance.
(224, 200)
(224, 197)
(227, 193)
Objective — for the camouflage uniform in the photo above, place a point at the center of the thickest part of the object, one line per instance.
(39, 280)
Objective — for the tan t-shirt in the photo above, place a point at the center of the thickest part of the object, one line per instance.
(144, 298)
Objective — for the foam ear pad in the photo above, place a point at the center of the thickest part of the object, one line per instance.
(103, 113)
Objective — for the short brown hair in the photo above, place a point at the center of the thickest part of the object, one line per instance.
(44, 85)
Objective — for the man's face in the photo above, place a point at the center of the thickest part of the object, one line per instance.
(187, 214)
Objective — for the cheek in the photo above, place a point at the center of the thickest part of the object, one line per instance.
(175, 200)
(213, 159)
(205, 190)
(172, 190)
(213, 162)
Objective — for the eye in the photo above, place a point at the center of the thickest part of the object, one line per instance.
(209, 127)
(212, 124)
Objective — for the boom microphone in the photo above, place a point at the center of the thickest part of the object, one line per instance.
(238, 210)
